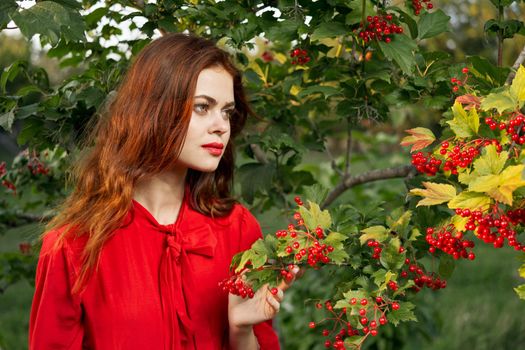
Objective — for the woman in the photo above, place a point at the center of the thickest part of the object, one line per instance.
(134, 258)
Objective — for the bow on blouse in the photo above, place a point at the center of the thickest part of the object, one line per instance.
(174, 265)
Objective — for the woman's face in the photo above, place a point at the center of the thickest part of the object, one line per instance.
(209, 128)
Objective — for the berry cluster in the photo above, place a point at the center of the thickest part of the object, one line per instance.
(494, 227)
(235, 285)
(25, 248)
(6, 183)
(426, 164)
(421, 278)
(377, 248)
(457, 82)
(514, 127)
(418, 6)
(461, 155)
(379, 28)
(300, 56)
(449, 241)
(36, 167)
(372, 315)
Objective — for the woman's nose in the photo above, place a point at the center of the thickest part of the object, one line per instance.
(221, 122)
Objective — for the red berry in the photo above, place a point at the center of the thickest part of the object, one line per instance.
(274, 291)
(395, 306)
(464, 70)
(311, 325)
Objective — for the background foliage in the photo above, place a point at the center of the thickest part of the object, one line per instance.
(334, 122)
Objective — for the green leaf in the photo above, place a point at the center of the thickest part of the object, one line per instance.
(404, 313)
(501, 101)
(490, 161)
(470, 200)
(432, 24)
(327, 91)
(51, 20)
(314, 217)
(356, 15)
(463, 124)
(334, 238)
(517, 89)
(415, 233)
(255, 177)
(401, 50)
(338, 256)
(407, 19)
(328, 30)
(378, 233)
(390, 257)
(353, 341)
(7, 119)
(6, 8)
(434, 193)
(399, 220)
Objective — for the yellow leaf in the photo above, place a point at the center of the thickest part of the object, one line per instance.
(490, 162)
(470, 200)
(466, 177)
(517, 89)
(501, 101)
(379, 233)
(419, 138)
(463, 124)
(459, 222)
(500, 187)
(257, 69)
(522, 271)
(294, 90)
(434, 193)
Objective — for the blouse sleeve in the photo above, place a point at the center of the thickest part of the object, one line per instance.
(55, 321)
(266, 335)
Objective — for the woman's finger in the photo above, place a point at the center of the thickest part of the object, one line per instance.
(273, 303)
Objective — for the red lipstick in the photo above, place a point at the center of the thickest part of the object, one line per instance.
(214, 148)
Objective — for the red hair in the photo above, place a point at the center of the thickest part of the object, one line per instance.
(141, 135)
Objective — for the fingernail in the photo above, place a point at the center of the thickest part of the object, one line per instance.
(295, 270)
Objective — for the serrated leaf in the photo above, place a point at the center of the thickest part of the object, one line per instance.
(390, 257)
(434, 193)
(51, 20)
(328, 30)
(334, 238)
(490, 161)
(419, 138)
(521, 271)
(520, 290)
(466, 177)
(459, 222)
(6, 7)
(327, 91)
(501, 101)
(378, 233)
(358, 294)
(353, 341)
(399, 223)
(470, 200)
(463, 124)
(314, 217)
(517, 89)
(404, 313)
(500, 187)
(401, 50)
(432, 24)
(338, 256)
(469, 100)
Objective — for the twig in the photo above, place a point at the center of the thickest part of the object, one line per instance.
(28, 218)
(515, 66)
(369, 176)
(259, 153)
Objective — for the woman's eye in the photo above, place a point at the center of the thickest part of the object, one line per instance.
(228, 113)
(201, 108)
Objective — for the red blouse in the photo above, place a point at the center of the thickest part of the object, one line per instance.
(156, 286)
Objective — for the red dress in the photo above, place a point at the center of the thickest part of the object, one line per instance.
(156, 286)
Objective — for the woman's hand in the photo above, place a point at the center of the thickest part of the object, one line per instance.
(244, 313)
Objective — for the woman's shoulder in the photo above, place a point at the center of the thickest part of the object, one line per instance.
(62, 239)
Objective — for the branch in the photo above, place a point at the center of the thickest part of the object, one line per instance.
(515, 66)
(369, 176)
(259, 153)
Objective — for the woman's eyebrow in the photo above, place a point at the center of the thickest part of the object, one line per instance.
(213, 101)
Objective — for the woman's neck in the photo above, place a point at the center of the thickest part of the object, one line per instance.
(162, 195)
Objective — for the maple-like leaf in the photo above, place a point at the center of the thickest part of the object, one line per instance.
(419, 138)
(434, 193)
(490, 161)
(501, 186)
(470, 101)
(517, 89)
(470, 200)
(464, 124)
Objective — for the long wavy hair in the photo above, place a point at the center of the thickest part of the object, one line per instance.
(141, 135)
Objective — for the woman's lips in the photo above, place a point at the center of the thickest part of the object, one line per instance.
(214, 148)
